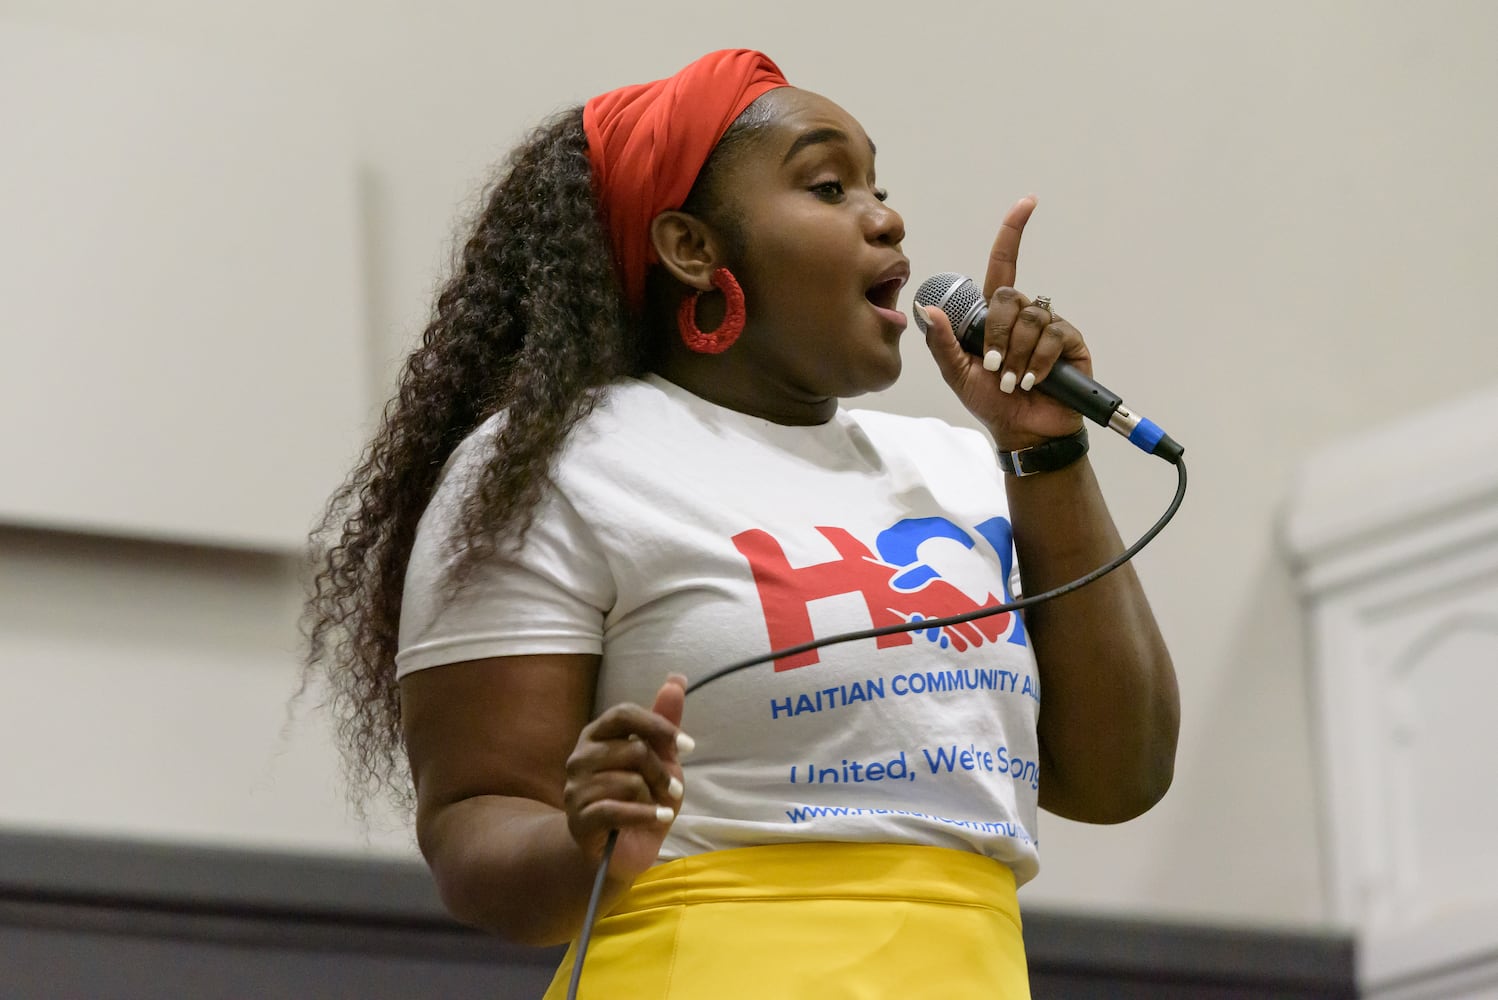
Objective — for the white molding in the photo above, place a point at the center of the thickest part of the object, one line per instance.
(1431, 466)
(1395, 538)
(1455, 955)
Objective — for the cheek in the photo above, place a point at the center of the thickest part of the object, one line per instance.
(799, 254)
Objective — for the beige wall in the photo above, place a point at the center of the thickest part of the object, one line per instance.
(1273, 220)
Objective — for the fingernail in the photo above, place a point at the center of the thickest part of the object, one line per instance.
(1028, 381)
(675, 788)
(992, 360)
(1006, 384)
(684, 744)
(664, 814)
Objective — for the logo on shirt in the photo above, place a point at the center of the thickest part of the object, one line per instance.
(904, 582)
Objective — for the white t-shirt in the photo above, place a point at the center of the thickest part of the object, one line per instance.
(680, 536)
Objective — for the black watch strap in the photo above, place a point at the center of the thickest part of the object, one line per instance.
(1048, 456)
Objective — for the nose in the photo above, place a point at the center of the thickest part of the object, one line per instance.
(884, 225)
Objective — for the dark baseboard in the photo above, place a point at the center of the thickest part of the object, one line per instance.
(119, 920)
(1081, 957)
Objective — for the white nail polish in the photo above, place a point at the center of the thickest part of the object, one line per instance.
(992, 360)
(675, 788)
(664, 814)
(1028, 382)
(684, 744)
(1006, 384)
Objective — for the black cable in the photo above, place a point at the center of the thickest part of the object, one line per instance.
(592, 914)
(871, 633)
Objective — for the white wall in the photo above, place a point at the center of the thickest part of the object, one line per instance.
(182, 261)
(1273, 220)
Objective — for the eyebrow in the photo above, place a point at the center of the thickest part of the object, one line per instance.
(817, 135)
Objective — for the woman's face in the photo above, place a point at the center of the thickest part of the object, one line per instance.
(818, 253)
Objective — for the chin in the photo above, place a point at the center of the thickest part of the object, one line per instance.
(875, 374)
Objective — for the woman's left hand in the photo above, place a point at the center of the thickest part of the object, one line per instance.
(1028, 338)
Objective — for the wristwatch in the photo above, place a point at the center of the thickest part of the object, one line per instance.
(1048, 456)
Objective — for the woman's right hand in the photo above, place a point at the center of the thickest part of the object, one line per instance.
(625, 774)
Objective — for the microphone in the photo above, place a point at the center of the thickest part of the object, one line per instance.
(962, 301)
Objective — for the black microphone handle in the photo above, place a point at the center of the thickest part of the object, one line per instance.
(1066, 384)
(1095, 401)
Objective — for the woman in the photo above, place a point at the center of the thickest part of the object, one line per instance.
(618, 456)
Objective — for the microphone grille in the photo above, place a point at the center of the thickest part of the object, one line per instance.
(952, 293)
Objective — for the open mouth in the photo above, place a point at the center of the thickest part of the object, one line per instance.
(886, 294)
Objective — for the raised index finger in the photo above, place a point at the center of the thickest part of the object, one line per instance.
(1003, 259)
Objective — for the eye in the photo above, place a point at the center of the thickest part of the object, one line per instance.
(834, 191)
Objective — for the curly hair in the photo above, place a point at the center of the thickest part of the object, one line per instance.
(533, 323)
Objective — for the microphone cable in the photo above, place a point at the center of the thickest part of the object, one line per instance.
(871, 633)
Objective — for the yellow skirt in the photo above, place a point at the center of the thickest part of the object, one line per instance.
(824, 921)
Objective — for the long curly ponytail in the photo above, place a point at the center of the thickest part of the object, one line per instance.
(531, 322)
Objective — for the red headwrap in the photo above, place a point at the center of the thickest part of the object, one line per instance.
(648, 142)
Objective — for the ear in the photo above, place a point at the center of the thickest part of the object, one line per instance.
(687, 246)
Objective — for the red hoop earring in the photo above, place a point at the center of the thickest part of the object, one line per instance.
(728, 331)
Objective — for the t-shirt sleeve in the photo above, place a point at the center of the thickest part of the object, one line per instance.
(548, 596)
